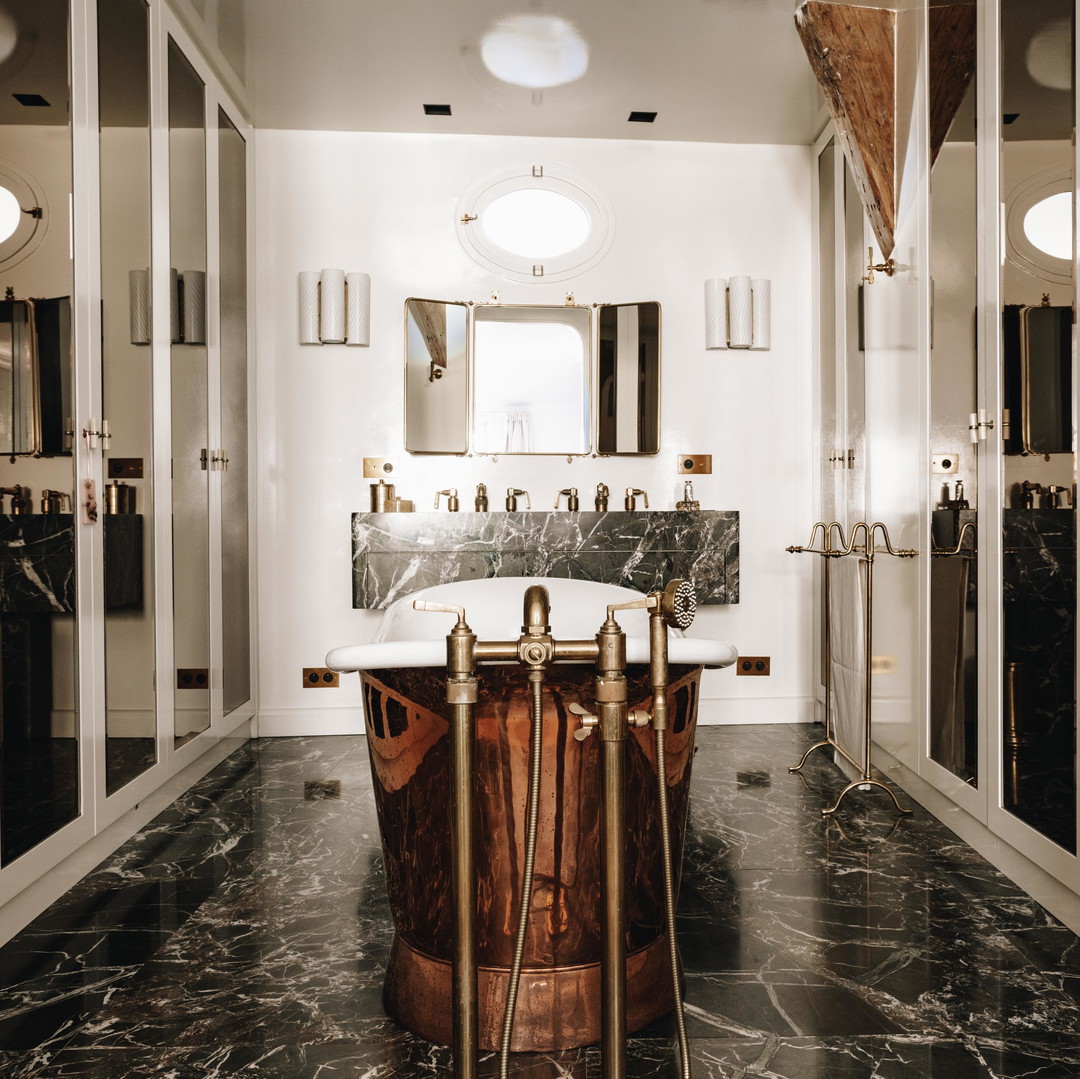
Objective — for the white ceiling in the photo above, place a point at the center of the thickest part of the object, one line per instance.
(713, 70)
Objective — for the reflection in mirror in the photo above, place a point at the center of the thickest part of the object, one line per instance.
(1038, 518)
(531, 380)
(954, 719)
(189, 382)
(628, 378)
(127, 391)
(39, 745)
(35, 377)
(235, 598)
(436, 377)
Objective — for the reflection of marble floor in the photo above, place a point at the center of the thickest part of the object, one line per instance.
(243, 932)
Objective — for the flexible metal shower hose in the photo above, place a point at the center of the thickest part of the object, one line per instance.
(669, 901)
(532, 817)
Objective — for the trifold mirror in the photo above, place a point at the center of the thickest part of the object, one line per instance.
(526, 378)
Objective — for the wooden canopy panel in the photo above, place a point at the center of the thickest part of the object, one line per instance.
(852, 52)
(952, 65)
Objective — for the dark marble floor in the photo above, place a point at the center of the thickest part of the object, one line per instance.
(243, 932)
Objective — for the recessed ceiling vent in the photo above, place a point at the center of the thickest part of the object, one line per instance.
(436, 110)
(641, 117)
(30, 99)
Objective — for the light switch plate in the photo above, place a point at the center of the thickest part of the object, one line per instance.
(943, 463)
(377, 468)
(698, 463)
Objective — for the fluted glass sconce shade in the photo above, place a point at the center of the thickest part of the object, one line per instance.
(335, 307)
(358, 308)
(716, 313)
(738, 313)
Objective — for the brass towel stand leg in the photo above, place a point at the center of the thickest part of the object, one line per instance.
(867, 550)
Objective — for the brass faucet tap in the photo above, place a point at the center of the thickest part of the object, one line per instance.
(572, 501)
(452, 502)
(511, 499)
(631, 496)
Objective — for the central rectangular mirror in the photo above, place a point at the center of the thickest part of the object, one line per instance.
(532, 379)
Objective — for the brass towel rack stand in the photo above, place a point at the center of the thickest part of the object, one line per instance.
(832, 543)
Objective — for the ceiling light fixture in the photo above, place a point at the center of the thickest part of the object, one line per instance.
(537, 51)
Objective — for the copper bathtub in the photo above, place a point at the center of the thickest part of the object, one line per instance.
(559, 1002)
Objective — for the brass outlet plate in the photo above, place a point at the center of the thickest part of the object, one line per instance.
(378, 468)
(192, 678)
(698, 463)
(752, 665)
(944, 463)
(125, 468)
(320, 678)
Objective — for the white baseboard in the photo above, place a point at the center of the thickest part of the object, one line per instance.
(733, 711)
(301, 722)
(304, 722)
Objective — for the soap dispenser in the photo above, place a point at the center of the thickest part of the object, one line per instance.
(688, 501)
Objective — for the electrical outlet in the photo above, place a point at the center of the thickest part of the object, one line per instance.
(320, 678)
(943, 463)
(698, 463)
(192, 678)
(377, 468)
(757, 665)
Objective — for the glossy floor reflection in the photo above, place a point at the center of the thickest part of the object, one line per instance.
(243, 933)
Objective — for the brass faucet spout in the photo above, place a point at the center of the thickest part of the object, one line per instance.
(537, 611)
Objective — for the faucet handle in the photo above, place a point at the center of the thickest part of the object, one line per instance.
(511, 498)
(452, 502)
(631, 493)
(588, 721)
(441, 608)
(572, 501)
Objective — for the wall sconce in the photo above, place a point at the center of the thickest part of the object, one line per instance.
(187, 315)
(738, 313)
(335, 307)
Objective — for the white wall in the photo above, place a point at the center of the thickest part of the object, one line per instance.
(386, 204)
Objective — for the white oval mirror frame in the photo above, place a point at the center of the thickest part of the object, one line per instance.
(544, 187)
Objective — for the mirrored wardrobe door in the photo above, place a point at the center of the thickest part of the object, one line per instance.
(127, 390)
(953, 736)
(189, 389)
(1038, 598)
(39, 746)
(235, 588)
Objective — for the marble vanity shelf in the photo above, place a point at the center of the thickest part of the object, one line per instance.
(37, 562)
(397, 553)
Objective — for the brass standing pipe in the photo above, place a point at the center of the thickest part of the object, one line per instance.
(611, 713)
(461, 694)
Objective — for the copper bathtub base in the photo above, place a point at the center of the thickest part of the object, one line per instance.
(558, 1007)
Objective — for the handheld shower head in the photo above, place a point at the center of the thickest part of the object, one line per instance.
(678, 604)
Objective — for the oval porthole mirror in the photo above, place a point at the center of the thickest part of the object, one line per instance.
(22, 216)
(1039, 225)
(535, 222)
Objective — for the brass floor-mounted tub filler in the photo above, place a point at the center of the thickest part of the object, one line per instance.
(543, 916)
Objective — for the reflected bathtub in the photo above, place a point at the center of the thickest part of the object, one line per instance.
(403, 676)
